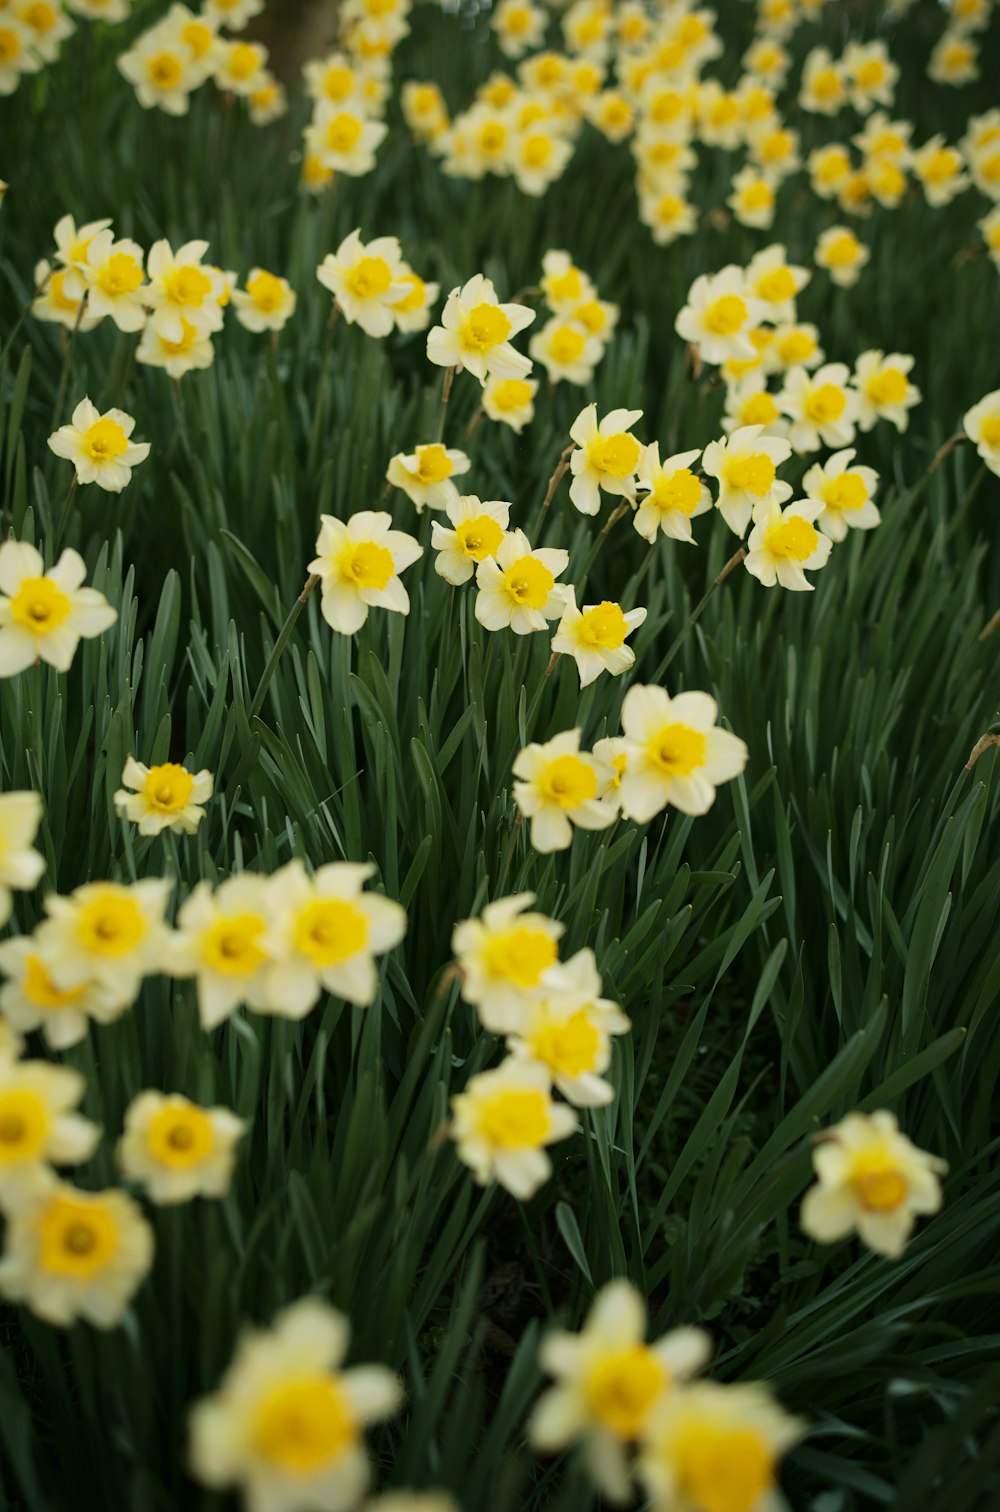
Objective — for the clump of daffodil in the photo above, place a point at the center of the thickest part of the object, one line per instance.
(871, 1180)
(99, 447)
(595, 637)
(503, 956)
(21, 865)
(605, 457)
(610, 1383)
(517, 585)
(476, 529)
(177, 1150)
(286, 1422)
(39, 1127)
(358, 562)
(675, 754)
(476, 332)
(847, 494)
(70, 1254)
(558, 787)
(425, 475)
(44, 615)
(162, 797)
(503, 1122)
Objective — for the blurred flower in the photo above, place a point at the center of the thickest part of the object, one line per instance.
(177, 1150)
(872, 1180)
(559, 787)
(502, 1123)
(31, 1000)
(183, 291)
(511, 401)
(884, 389)
(982, 426)
(845, 492)
(566, 1026)
(503, 955)
(266, 303)
(839, 251)
(20, 865)
(719, 314)
(44, 615)
(114, 279)
(106, 933)
(38, 1126)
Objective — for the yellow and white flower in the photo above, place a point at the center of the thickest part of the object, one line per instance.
(823, 88)
(477, 531)
(70, 1254)
(503, 957)
(21, 866)
(982, 426)
(413, 312)
(566, 351)
(517, 586)
(232, 14)
(777, 283)
(511, 401)
(605, 458)
(177, 1150)
(609, 1384)
(537, 157)
(345, 140)
(502, 1123)
(775, 151)
(563, 284)
(719, 314)
(115, 281)
(425, 475)
(266, 303)
(672, 495)
(884, 389)
(18, 55)
(767, 61)
(558, 787)
(990, 228)
(842, 254)
(595, 637)
(954, 59)
(830, 168)
(222, 941)
(784, 545)
(39, 1127)
(567, 1028)
(44, 615)
(752, 202)
(267, 101)
(48, 24)
(885, 138)
(183, 291)
(366, 280)
(163, 797)
(675, 754)
(871, 75)
(107, 933)
(56, 304)
(29, 999)
(325, 935)
(846, 493)
(822, 407)
(99, 447)
(668, 216)
(286, 1422)
(714, 1448)
(519, 27)
(794, 345)
(476, 331)
(358, 562)
(240, 67)
(745, 467)
(941, 171)
(193, 350)
(750, 402)
(873, 1181)
(424, 109)
(162, 72)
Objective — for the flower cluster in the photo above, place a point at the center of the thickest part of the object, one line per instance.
(185, 49)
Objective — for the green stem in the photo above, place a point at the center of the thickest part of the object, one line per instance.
(623, 509)
(280, 644)
(696, 613)
(25, 312)
(36, 723)
(64, 513)
(446, 383)
(67, 363)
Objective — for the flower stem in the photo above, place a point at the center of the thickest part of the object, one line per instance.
(64, 513)
(67, 363)
(696, 613)
(280, 644)
(612, 521)
(446, 383)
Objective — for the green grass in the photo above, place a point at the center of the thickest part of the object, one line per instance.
(824, 940)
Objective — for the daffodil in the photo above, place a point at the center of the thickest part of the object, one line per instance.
(941, 171)
(267, 302)
(871, 75)
(477, 529)
(745, 465)
(240, 67)
(715, 1448)
(982, 426)
(345, 140)
(29, 999)
(675, 753)
(163, 797)
(511, 401)
(115, 281)
(44, 615)
(267, 101)
(752, 201)
(846, 493)
(48, 24)
(823, 88)
(774, 150)
(503, 1122)
(183, 290)
(286, 1421)
(517, 585)
(609, 1383)
(784, 544)
(325, 935)
(842, 254)
(18, 56)
(565, 351)
(750, 402)
(425, 475)
(221, 941)
(954, 59)
(719, 314)
(794, 345)
(70, 1254)
(106, 933)
(55, 303)
(884, 389)
(476, 331)
(162, 72)
(605, 458)
(177, 1150)
(872, 1180)
(21, 865)
(366, 281)
(232, 14)
(413, 311)
(191, 351)
(668, 215)
(567, 1027)
(39, 1127)
(822, 406)
(563, 284)
(776, 282)
(99, 447)
(670, 494)
(503, 956)
(558, 787)
(595, 637)
(358, 562)
(829, 167)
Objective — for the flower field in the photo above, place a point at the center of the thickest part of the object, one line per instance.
(499, 730)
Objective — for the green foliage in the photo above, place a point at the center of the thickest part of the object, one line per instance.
(824, 940)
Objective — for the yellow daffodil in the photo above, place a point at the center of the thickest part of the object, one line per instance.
(846, 493)
(502, 1123)
(99, 447)
(358, 562)
(517, 586)
(982, 426)
(183, 290)
(107, 933)
(29, 999)
(477, 530)
(745, 465)
(503, 957)
(605, 458)
(511, 401)
(595, 637)
(177, 1150)
(719, 314)
(366, 281)
(21, 865)
(567, 1028)
(426, 475)
(558, 787)
(476, 331)
(675, 754)
(163, 797)
(784, 545)
(39, 1127)
(44, 615)
(670, 495)
(822, 407)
